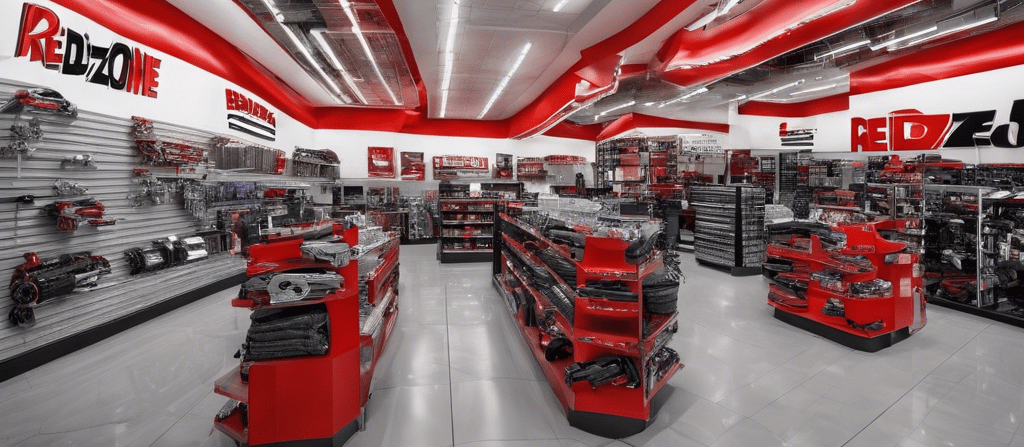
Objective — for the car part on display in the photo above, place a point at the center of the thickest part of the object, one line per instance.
(289, 287)
(164, 152)
(40, 280)
(142, 260)
(22, 134)
(285, 333)
(148, 190)
(337, 254)
(40, 99)
(606, 370)
(231, 155)
(81, 161)
(559, 348)
(70, 214)
(322, 163)
(190, 249)
(67, 188)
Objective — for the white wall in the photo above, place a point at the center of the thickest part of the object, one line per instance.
(991, 90)
(351, 148)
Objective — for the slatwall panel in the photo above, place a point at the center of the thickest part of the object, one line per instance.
(24, 228)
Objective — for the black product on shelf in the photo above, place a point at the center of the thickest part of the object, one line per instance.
(37, 281)
(41, 99)
(288, 332)
(730, 230)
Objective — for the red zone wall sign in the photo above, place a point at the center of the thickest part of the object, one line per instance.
(254, 118)
(909, 130)
(41, 38)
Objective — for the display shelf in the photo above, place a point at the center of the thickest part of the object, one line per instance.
(278, 391)
(599, 326)
(234, 427)
(466, 222)
(735, 217)
(230, 385)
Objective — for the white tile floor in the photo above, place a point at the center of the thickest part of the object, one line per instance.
(456, 373)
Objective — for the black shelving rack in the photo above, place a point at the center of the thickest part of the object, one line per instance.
(467, 222)
(730, 232)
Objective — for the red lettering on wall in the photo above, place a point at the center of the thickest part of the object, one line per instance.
(38, 46)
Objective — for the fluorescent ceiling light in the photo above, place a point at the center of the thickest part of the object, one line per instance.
(366, 48)
(703, 21)
(815, 89)
(843, 49)
(305, 52)
(449, 56)
(778, 89)
(955, 29)
(620, 106)
(505, 80)
(729, 5)
(318, 36)
(559, 6)
(686, 96)
(273, 10)
(893, 42)
(740, 98)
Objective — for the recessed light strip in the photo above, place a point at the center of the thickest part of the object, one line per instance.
(815, 89)
(893, 42)
(366, 48)
(620, 106)
(449, 56)
(686, 96)
(843, 49)
(318, 36)
(953, 30)
(305, 52)
(506, 79)
(560, 5)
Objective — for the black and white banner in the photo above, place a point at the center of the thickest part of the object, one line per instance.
(796, 137)
(250, 117)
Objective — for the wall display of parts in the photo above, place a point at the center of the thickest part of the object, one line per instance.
(231, 154)
(449, 167)
(25, 227)
(323, 163)
(846, 283)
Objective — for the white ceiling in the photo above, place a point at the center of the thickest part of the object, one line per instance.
(232, 23)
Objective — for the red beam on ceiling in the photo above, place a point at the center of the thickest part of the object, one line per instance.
(753, 29)
(820, 106)
(984, 52)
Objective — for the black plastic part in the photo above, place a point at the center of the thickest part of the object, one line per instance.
(734, 271)
(51, 351)
(339, 439)
(609, 426)
(844, 338)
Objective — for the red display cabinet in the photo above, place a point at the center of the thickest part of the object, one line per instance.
(846, 283)
(598, 327)
(314, 400)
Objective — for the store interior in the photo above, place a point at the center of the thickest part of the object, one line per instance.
(556, 223)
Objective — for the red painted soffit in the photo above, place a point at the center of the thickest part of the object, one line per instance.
(631, 121)
(820, 106)
(567, 129)
(753, 28)
(984, 52)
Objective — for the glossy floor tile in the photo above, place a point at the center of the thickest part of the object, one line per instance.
(457, 373)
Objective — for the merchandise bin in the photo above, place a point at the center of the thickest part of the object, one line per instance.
(865, 293)
(596, 327)
(316, 400)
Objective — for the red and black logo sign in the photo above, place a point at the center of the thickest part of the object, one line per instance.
(118, 66)
(911, 130)
(255, 119)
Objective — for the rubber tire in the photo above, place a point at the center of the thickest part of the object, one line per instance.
(25, 293)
